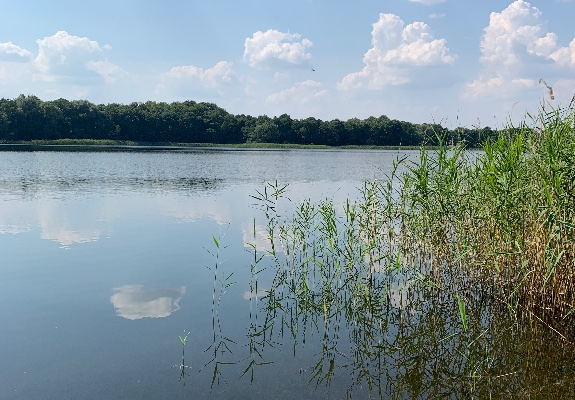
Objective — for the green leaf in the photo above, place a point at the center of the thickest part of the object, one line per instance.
(252, 362)
(462, 312)
(567, 224)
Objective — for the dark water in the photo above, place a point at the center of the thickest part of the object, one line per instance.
(108, 258)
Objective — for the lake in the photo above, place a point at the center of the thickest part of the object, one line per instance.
(106, 262)
(112, 257)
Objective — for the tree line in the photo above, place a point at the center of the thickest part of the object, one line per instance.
(29, 118)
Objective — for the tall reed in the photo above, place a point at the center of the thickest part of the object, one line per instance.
(455, 233)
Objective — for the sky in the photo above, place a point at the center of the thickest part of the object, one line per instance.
(471, 63)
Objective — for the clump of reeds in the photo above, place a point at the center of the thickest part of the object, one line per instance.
(428, 257)
(506, 217)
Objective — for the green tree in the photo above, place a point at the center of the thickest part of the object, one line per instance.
(265, 131)
(356, 131)
(285, 132)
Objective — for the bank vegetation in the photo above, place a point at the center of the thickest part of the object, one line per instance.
(27, 118)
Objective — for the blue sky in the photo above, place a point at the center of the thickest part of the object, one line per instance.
(461, 63)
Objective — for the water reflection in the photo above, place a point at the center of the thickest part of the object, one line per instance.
(256, 236)
(373, 320)
(253, 295)
(66, 238)
(82, 218)
(31, 187)
(136, 213)
(391, 340)
(134, 302)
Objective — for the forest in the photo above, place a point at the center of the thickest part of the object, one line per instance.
(27, 118)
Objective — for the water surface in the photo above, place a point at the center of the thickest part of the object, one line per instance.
(108, 257)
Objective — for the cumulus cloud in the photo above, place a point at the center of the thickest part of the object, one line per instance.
(207, 84)
(302, 93)
(300, 99)
(110, 72)
(10, 52)
(15, 69)
(273, 48)
(515, 48)
(67, 56)
(498, 86)
(565, 56)
(221, 73)
(397, 52)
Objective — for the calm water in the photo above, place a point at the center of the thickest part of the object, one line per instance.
(108, 257)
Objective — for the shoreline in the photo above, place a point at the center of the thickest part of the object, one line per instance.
(118, 144)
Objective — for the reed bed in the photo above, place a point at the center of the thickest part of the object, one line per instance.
(504, 219)
(428, 268)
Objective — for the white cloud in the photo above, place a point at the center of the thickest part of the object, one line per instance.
(110, 72)
(208, 84)
(63, 49)
(302, 93)
(221, 73)
(516, 49)
(10, 52)
(517, 25)
(281, 76)
(59, 223)
(564, 89)
(302, 99)
(397, 52)
(66, 237)
(273, 48)
(565, 56)
(15, 78)
(498, 86)
(67, 56)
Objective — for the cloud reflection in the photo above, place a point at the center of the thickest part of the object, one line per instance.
(247, 295)
(260, 239)
(133, 302)
(66, 238)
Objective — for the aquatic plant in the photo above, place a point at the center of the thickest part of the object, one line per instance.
(221, 343)
(451, 277)
(422, 273)
(182, 366)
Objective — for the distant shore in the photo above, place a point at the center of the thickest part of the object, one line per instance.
(124, 144)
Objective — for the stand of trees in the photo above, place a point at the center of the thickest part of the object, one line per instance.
(29, 118)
